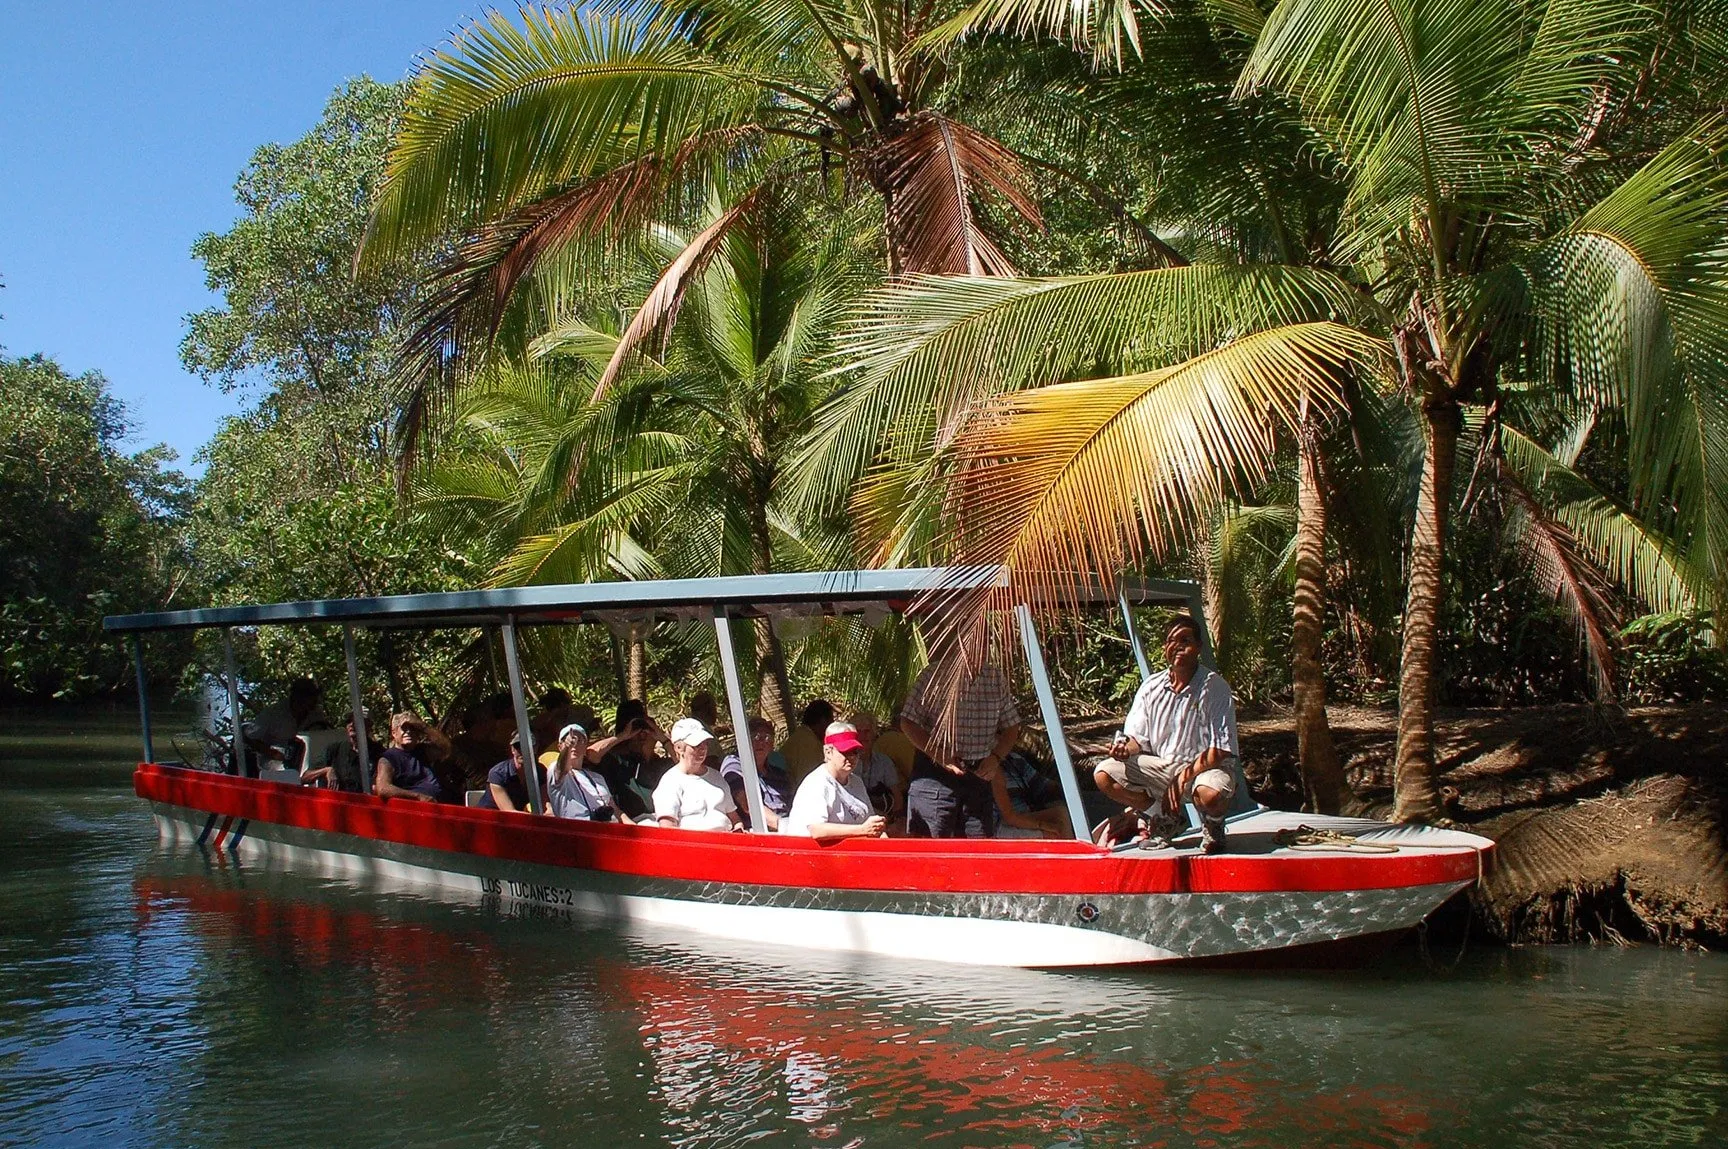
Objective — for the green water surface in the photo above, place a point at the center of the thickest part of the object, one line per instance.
(156, 998)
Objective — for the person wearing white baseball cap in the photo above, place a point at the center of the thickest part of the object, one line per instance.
(692, 795)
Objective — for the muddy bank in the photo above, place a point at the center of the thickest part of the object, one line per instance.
(1609, 823)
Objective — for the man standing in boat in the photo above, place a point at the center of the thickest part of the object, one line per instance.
(1177, 744)
(949, 795)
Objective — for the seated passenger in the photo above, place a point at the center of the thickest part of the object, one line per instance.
(405, 770)
(576, 790)
(692, 795)
(625, 759)
(831, 802)
(876, 770)
(272, 736)
(340, 769)
(770, 772)
(556, 710)
(505, 789)
(803, 746)
(1025, 802)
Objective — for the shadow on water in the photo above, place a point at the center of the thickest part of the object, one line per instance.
(155, 998)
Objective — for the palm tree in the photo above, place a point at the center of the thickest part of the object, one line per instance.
(1485, 238)
(677, 468)
(531, 138)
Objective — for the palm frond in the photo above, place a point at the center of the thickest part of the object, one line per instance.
(659, 310)
(1649, 565)
(933, 173)
(918, 355)
(1553, 554)
(512, 109)
(1632, 311)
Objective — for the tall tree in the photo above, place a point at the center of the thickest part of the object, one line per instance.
(677, 467)
(86, 529)
(1485, 237)
(535, 134)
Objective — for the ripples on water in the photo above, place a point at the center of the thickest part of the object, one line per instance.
(158, 999)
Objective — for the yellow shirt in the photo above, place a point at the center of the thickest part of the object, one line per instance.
(899, 748)
(802, 751)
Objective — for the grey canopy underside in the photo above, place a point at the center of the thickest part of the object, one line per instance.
(863, 592)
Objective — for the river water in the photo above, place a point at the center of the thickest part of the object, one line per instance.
(149, 998)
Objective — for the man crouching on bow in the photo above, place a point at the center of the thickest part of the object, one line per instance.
(1178, 743)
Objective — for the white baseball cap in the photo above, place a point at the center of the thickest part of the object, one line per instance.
(690, 732)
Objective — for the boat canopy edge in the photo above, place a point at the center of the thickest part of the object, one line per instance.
(566, 602)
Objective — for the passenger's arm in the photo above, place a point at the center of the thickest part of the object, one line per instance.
(919, 736)
(384, 785)
(1005, 806)
(873, 827)
(990, 767)
(501, 797)
(668, 821)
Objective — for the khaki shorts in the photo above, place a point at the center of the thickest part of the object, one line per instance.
(1153, 776)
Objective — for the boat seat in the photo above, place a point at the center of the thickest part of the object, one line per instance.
(472, 797)
(279, 774)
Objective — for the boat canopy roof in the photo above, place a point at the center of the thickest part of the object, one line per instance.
(739, 596)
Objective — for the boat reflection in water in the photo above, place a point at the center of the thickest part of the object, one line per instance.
(525, 1010)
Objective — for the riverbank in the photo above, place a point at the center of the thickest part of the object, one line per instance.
(1609, 822)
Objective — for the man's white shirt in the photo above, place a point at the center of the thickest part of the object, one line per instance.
(1178, 725)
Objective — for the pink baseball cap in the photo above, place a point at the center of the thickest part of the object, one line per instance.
(845, 741)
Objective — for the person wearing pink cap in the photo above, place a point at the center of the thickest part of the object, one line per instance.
(831, 802)
(692, 795)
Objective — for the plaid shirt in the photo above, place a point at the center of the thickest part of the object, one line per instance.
(983, 710)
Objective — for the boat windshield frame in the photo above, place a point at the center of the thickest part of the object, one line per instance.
(718, 600)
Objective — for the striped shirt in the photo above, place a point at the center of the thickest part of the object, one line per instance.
(983, 710)
(1178, 725)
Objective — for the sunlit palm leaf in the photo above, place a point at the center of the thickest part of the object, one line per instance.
(513, 109)
(1633, 310)
(660, 308)
(1646, 563)
(922, 354)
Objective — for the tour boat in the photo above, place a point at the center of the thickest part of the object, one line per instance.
(1292, 889)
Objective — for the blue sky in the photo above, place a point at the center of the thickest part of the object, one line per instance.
(122, 128)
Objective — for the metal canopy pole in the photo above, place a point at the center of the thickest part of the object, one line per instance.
(143, 698)
(740, 723)
(1134, 637)
(357, 708)
(235, 733)
(530, 762)
(1053, 723)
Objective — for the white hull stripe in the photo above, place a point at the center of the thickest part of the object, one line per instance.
(998, 929)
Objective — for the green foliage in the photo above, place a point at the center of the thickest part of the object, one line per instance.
(295, 317)
(1674, 657)
(298, 499)
(85, 530)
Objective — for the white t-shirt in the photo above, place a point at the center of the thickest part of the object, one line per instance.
(698, 801)
(578, 793)
(821, 799)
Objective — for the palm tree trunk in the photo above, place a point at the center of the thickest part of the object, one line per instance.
(773, 690)
(636, 663)
(1322, 774)
(1416, 797)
